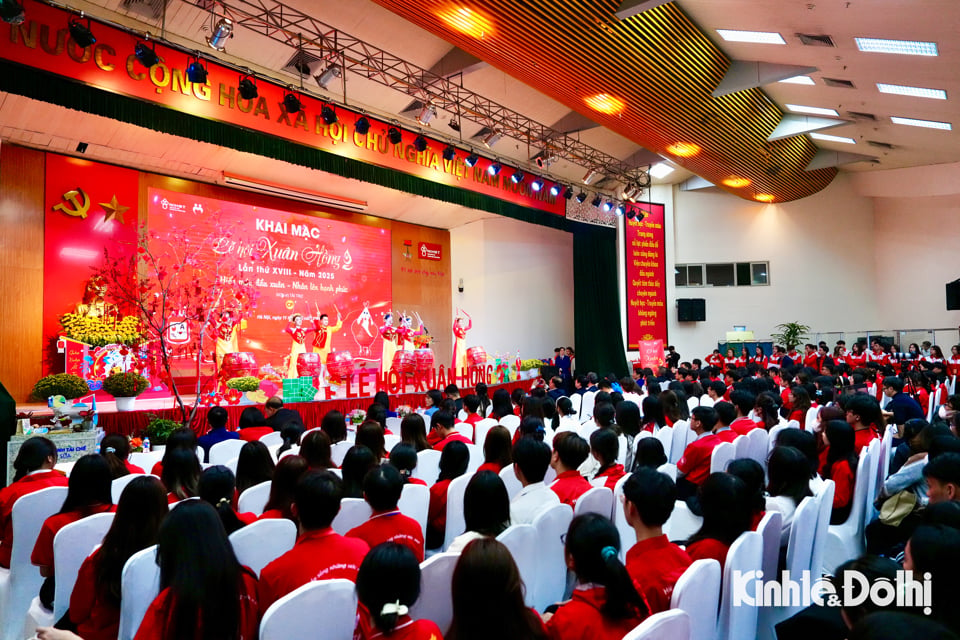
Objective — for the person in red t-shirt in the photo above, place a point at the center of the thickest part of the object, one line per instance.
(453, 463)
(217, 486)
(810, 357)
(841, 467)
(694, 466)
(654, 563)
(799, 405)
(471, 405)
(115, 448)
(388, 584)
(863, 414)
(726, 514)
(714, 359)
(33, 470)
(759, 358)
(605, 447)
(320, 553)
(569, 452)
(605, 604)
(204, 591)
(443, 425)
(743, 401)
(382, 488)
(726, 415)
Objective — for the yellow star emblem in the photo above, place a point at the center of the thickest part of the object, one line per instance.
(113, 209)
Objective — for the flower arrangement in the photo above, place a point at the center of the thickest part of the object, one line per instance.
(159, 429)
(136, 445)
(422, 341)
(527, 365)
(60, 384)
(356, 417)
(101, 331)
(404, 410)
(244, 383)
(125, 384)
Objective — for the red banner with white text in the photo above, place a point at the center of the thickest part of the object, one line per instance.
(645, 275)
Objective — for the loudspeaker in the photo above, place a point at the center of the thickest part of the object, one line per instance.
(953, 295)
(691, 309)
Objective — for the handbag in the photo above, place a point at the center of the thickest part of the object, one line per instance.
(897, 507)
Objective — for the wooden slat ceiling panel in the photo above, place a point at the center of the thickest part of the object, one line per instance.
(658, 62)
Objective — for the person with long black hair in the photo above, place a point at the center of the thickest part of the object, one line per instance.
(388, 584)
(115, 448)
(605, 604)
(315, 449)
(95, 602)
(497, 450)
(752, 474)
(254, 465)
(486, 509)
(217, 487)
(653, 418)
(605, 447)
(726, 514)
(404, 457)
(335, 426)
(182, 438)
(481, 390)
(413, 431)
(502, 405)
(453, 464)
(181, 472)
(285, 478)
(788, 471)
(356, 463)
(841, 467)
(204, 591)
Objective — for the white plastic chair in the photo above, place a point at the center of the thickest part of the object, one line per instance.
(510, 481)
(698, 593)
(389, 442)
(272, 439)
(462, 414)
(666, 625)
(415, 503)
(722, 454)
(693, 402)
(330, 605)
(394, 424)
(598, 500)
(521, 540)
(824, 508)
(811, 418)
(224, 452)
(353, 512)
(428, 466)
(883, 468)
(737, 622)
(682, 523)
(476, 458)
(145, 459)
(230, 464)
(119, 484)
(741, 446)
(254, 499)
(665, 436)
(772, 436)
(707, 401)
(669, 469)
(576, 401)
(436, 600)
(757, 449)
(455, 519)
(845, 541)
(769, 529)
(511, 422)
(551, 525)
(139, 586)
(260, 543)
(682, 436)
(587, 403)
(21, 582)
(338, 451)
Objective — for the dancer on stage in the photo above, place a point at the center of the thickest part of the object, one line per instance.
(298, 346)
(460, 340)
(323, 337)
(389, 334)
(227, 333)
(405, 332)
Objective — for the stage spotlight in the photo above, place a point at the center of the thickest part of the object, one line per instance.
(362, 125)
(491, 138)
(420, 143)
(517, 177)
(640, 215)
(146, 55)
(329, 114)
(568, 193)
(591, 176)
(450, 153)
(621, 209)
(631, 213)
(554, 189)
(597, 201)
(607, 206)
(581, 197)
(247, 88)
(196, 72)
(537, 184)
(222, 31)
(81, 33)
(494, 168)
(428, 113)
(454, 124)
(327, 75)
(394, 135)
(471, 159)
(291, 103)
(11, 12)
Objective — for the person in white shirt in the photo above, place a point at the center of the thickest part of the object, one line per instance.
(531, 458)
(566, 417)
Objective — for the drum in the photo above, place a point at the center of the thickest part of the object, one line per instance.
(404, 361)
(423, 361)
(239, 364)
(476, 356)
(308, 364)
(339, 365)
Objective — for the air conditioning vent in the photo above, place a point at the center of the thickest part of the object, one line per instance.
(816, 40)
(840, 84)
(880, 145)
(860, 115)
(151, 10)
(302, 63)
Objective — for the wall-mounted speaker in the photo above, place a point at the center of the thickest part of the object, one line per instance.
(691, 309)
(953, 296)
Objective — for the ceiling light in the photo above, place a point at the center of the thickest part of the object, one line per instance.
(449, 153)
(605, 103)
(828, 138)
(662, 169)
(591, 176)
(597, 201)
(491, 138)
(494, 168)
(816, 111)
(914, 92)
(328, 114)
(537, 184)
(420, 143)
(902, 47)
(291, 103)
(555, 189)
(81, 33)
(798, 80)
(146, 55)
(469, 22)
(581, 197)
(929, 124)
(757, 37)
(247, 88)
(428, 113)
(196, 72)
(764, 197)
(394, 135)
(327, 75)
(607, 206)
(568, 193)
(222, 31)
(473, 159)
(736, 182)
(11, 12)
(683, 149)
(621, 209)
(362, 125)
(517, 177)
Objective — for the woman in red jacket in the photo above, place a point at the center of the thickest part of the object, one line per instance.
(841, 467)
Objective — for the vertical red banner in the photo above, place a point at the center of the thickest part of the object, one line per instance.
(645, 275)
(651, 354)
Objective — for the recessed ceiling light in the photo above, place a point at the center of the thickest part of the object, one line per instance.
(605, 103)
(764, 197)
(817, 111)
(915, 92)
(736, 182)
(469, 22)
(798, 80)
(683, 149)
(660, 170)
(902, 47)
(828, 138)
(758, 37)
(929, 124)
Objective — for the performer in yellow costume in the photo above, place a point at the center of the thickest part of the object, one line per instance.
(461, 325)
(298, 346)
(323, 337)
(389, 334)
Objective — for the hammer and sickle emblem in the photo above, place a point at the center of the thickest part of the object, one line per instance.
(74, 196)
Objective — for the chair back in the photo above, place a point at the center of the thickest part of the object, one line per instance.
(757, 448)
(666, 625)
(824, 508)
(476, 458)
(736, 622)
(330, 605)
(254, 499)
(670, 469)
(272, 439)
(71, 546)
(682, 523)
(521, 540)
(770, 527)
(586, 406)
(428, 466)
(510, 480)
(511, 422)
(260, 543)
(698, 593)
(707, 401)
(139, 585)
(224, 452)
(145, 459)
(597, 500)
(665, 436)
(722, 454)
(338, 451)
(803, 531)
(353, 512)
(551, 525)
(119, 484)
(436, 600)
(415, 503)
(390, 441)
(679, 442)
(455, 519)
(741, 446)
(693, 402)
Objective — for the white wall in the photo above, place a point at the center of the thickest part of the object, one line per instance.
(518, 285)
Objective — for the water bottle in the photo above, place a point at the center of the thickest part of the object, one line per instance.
(146, 445)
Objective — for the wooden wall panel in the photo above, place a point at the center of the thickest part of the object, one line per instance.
(21, 268)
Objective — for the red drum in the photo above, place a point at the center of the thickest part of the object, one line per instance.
(237, 365)
(404, 361)
(476, 356)
(340, 365)
(308, 364)
(423, 360)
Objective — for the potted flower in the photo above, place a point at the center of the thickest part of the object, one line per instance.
(125, 387)
(530, 369)
(60, 384)
(158, 430)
